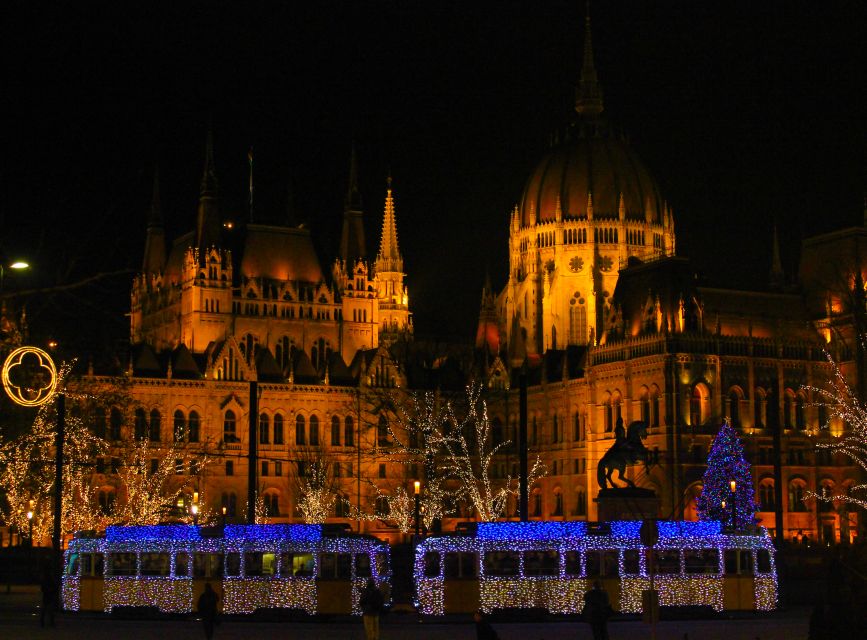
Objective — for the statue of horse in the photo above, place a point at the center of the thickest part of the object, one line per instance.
(628, 449)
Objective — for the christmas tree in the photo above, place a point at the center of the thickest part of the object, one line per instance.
(726, 465)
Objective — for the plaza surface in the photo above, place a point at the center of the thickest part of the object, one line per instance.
(19, 619)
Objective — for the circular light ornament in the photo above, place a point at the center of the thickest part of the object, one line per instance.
(29, 376)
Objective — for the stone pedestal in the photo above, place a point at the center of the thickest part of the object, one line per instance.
(629, 503)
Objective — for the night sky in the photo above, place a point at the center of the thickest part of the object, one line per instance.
(745, 113)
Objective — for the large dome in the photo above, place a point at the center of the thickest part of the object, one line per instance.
(593, 163)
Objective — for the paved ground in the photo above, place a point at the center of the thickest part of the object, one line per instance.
(18, 619)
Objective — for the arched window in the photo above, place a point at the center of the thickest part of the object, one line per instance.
(644, 399)
(341, 506)
(788, 409)
(229, 502)
(105, 498)
(272, 505)
(607, 415)
(155, 426)
(278, 428)
(98, 424)
(314, 431)
(735, 398)
(767, 499)
(800, 413)
(141, 424)
(382, 432)
(558, 503)
(114, 423)
(335, 431)
(229, 434)
(348, 432)
(179, 426)
(193, 427)
(555, 429)
(581, 503)
(300, 436)
(537, 502)
(577, 321)
(496, 431)
(576, 427)
(797, 491)
(382, 507)
(759, 409)
(264, 428)
(699, 405)
(826, 491)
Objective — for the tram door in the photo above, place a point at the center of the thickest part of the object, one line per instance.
(738, 585)
(604, 566)
(89, 566)
(207, 567)
(461, 584)
(334, 583)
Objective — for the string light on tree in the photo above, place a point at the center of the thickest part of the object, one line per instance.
(727, 491)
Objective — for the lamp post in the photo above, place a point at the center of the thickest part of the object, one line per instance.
(224, 517)
(195, 508)
(18, 265)
(417, 487)
(733, 486)
(30, 524)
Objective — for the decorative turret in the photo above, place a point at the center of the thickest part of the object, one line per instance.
(394, 316)
(208, 222)
(588, 96)
(488, 332)
(388, 259)
(155, 242)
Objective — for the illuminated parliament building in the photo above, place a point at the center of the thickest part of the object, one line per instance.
(609, 320)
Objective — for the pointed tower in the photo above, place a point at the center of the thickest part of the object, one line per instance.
(393, 298)
(208, 221)
(588, 95)
(352, 245)
(488, 337)
(155, 241)
(777, 277)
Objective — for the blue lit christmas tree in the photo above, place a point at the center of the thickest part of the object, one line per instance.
(726, 464)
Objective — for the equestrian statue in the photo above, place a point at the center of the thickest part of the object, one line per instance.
(628, 449)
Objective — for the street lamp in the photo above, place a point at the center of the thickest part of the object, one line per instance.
(195, 508)
(733, 486)
(417, 486)
(30, 523)
(224, 517)
(18, 265)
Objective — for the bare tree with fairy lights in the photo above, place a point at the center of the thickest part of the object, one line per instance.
(315, 484)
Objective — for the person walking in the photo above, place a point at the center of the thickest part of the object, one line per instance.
(207, 606)
(371, 602)
(597, 610)
(484, 630)
(49, 597)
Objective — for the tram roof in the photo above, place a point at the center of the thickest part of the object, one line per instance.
(540, 530)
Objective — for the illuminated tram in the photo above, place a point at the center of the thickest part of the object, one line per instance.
(252, 567)
(550, 565)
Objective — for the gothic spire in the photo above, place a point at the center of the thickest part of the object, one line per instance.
(352, 244)
(208, 223)
(588, 96)
(389, 258)
(777, 277)
(155, 244)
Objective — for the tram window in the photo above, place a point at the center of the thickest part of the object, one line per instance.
(667, 560)
(182, 564)
(601, 564)
(631, 561)
(362, 565)
(746, 563)
(501, 563)
(541, 563)
(98, 562)
(573, 563)
(72, 565)
(701, 560)
(731, 561)
(296, 564)
(257, 563)
(233, 564)
(155, 564)
(459, 564)
(122, 564)
(335, 565)
(207, 565)
(381, 564)
(431, 562)
(763, 560)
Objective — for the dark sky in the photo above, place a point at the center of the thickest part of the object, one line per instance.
(745, 112)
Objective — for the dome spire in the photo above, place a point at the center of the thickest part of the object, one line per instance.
(588, 96)
(352, 243)
(389, 258)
